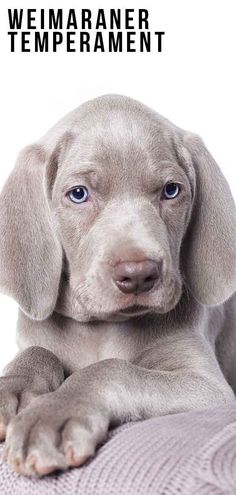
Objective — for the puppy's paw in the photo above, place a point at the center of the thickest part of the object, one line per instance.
(50, 435)
(16, 392)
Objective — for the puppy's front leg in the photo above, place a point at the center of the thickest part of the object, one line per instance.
(33, 372)
(63, 428)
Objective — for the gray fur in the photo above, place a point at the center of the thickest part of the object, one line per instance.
(90, 355)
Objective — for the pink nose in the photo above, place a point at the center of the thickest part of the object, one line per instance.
(135, 277)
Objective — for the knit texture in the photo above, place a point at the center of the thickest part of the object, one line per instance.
(188, 453)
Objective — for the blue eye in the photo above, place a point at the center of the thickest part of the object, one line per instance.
(79, 194)
(171, 190)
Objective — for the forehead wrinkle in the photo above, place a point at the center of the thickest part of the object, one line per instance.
(81, 168)
(90, 175)
(126, 162)
(166, 167)
(71, 175)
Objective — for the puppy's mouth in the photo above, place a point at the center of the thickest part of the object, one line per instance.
(134, 310)
(81, 306)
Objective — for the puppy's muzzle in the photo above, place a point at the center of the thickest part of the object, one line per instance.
(133, 277)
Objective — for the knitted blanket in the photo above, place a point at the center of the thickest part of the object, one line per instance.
(188, 453)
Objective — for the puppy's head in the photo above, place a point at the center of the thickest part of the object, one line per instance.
(111, 213)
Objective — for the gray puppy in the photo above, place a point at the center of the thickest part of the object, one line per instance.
(118, 241)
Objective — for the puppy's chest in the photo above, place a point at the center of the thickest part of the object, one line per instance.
(85, 346)
(78, 345)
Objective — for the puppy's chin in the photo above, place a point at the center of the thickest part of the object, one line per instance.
(160, 302)
(160, 307)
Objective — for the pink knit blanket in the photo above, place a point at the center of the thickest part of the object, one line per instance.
(182, 454)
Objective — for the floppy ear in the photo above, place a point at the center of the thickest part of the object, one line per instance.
(30, 253)
(209, 250)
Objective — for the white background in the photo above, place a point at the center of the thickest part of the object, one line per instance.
(193, 83)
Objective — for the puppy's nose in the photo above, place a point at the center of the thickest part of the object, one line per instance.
(135, 277)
